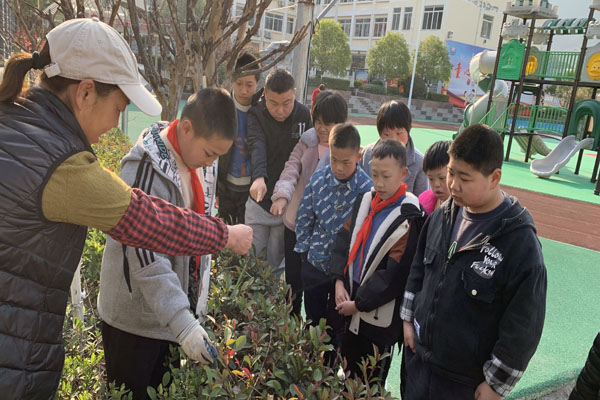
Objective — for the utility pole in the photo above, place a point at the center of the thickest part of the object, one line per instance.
(304, 14)
(412, 78)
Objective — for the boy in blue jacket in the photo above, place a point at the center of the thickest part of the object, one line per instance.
(475, 299)
(326, 205)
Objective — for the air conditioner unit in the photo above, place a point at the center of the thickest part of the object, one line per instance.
(267, 35)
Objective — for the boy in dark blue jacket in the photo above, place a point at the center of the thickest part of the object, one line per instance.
(475, 299)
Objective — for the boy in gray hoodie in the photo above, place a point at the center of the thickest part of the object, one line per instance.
(143, 298)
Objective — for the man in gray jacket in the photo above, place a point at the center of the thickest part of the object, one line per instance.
(143, 298)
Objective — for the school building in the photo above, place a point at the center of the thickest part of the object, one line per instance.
(472, 22)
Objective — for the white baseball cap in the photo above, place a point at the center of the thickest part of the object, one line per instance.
(86, 48)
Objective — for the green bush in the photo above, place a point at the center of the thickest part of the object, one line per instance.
(336, 83)
(376, 89)
(438, 97)
(263, 351)
(330, 83)
(358, 84)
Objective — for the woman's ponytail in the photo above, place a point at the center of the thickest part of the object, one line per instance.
(17, 68)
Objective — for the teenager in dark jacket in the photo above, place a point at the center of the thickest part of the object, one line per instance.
(475, 299)
(234, 172)
(372, 258)
(275, 125)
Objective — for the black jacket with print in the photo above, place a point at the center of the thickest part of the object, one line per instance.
(487, 298)
(271, 142)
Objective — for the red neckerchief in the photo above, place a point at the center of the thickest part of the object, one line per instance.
(197, 190)
(365, 230)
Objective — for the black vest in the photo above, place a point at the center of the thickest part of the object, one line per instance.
(37, 257)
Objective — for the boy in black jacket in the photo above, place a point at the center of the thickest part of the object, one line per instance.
(372, 258)
(275, 125)
(475, 298)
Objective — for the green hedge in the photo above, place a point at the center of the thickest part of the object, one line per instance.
(331, 83)
(376, 89)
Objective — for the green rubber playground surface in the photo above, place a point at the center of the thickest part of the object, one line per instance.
(571, 325)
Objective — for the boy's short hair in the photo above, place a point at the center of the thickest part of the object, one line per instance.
(436, 155)
(279, 81)
(390, 148)
(211, 112)
(479, 146)
(345, 136)
(243, 60)
(330, 107)
(393, 114)
(322, 86)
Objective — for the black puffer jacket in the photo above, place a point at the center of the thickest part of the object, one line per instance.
(271, 142)
(587, 386)
(37, 257)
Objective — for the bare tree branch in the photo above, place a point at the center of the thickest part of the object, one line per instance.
(114, 13)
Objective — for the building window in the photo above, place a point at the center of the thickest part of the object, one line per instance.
(346, 25)
(290, 25)
(358, 61)
(407, 19)
(380, 26)
(396, 19)
(346, 1)
(432, 19)
(274, 22)
(362, 26)
(486, 26)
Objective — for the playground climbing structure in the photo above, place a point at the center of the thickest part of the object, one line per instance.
(527, 62)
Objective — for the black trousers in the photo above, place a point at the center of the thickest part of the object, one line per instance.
(424, 384)
(357, 347)
(293, 269)
(232, 205)
(136, 361)
(319, 302)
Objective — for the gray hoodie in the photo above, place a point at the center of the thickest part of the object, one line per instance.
(158, 305)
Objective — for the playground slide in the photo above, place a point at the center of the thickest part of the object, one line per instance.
(560, 156)
(481, 65)
(476, 111)
(537, 145)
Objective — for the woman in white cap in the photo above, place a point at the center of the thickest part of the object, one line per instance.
(52, 188)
